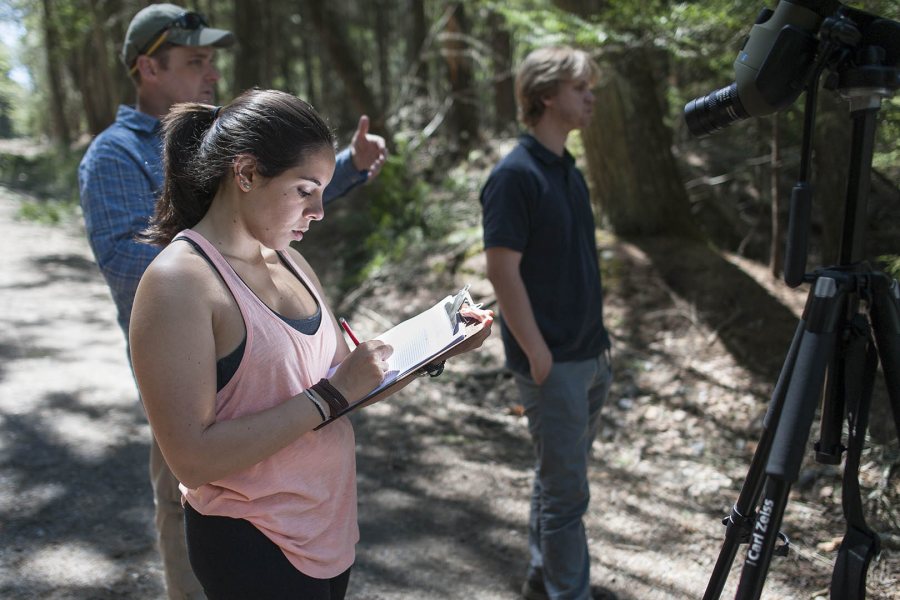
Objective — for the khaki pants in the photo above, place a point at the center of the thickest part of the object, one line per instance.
(181, 584)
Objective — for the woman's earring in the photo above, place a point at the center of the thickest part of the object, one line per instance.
(245, 185)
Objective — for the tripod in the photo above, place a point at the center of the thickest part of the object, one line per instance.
(832, 350)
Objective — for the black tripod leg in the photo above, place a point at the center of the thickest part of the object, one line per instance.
(885, 314)
(822, 315)
(740, 522)
(860, 544)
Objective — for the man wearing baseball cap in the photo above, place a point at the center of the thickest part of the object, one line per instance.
(169, 53)
(166, 23)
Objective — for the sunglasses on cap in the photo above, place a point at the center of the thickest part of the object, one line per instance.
(187, 20)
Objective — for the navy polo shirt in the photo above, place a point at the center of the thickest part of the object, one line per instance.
(537, 203)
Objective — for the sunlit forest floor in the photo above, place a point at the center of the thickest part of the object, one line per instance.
(444, 466)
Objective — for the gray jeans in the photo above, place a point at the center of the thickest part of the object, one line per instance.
(562, 418)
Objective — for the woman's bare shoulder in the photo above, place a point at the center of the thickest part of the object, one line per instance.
(179, 272)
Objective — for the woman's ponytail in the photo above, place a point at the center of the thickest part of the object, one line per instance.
(190, 183)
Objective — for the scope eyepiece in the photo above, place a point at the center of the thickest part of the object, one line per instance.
(714, 111)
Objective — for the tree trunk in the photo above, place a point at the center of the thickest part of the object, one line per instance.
(94, 74)
(287, 57)
(635, 179)
(831, 151)
(415, 45)
(463, 116)
(384, 33)
(61, 131)
(309, 70)
(116, 26)
(252, 26)
(504, 94)
(776, 251)
(332, 33)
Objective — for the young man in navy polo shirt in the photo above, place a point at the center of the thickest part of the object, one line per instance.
(542, 261)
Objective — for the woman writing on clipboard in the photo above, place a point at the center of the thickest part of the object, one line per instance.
(239, 358)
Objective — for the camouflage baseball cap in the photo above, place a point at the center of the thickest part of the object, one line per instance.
(170, 23)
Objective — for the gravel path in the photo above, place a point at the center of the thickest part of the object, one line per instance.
(444, 467)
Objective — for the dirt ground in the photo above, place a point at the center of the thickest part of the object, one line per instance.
(444, 467)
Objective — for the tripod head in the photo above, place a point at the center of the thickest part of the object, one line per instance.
(786, 53)
(864, 55)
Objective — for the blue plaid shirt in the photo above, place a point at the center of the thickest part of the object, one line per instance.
(119, 178)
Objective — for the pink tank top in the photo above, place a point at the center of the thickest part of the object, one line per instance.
(303, 497)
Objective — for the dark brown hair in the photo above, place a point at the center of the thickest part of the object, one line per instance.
(201, 142)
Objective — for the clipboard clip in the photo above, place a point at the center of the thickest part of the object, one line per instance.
(454, 305)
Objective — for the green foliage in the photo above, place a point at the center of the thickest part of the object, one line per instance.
(707, 35)
(8, 96)
(891, 264)
(13, 97)
(395, 212)
(410, 216)
(887, 152)
(48, 213)
(392, 224)
(51, 175)
(535, 23)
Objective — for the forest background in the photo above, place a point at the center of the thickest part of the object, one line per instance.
(436, 78)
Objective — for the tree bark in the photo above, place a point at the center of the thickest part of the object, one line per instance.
(61, 131)
(253, 27)
(831, 152)
(333, 34)
(636, 183)
(383, 34)
(463, 118)
(287, 53)
(776, 251)
(504, 93)
(96, 77)
(415, 45)
(309, 69)
(116, 26)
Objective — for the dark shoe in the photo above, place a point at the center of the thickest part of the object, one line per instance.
(602, 593)
(534, 590)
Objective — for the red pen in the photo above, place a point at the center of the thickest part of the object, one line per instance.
(349, 331)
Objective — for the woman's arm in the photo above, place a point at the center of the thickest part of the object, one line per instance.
(174, 357)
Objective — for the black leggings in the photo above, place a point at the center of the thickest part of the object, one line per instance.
(235, 561)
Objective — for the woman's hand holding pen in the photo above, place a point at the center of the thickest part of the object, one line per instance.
(362, 370)
(366, 365)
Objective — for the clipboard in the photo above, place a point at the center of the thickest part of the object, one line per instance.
(420, 340)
